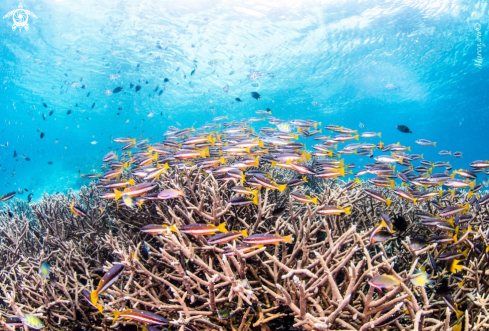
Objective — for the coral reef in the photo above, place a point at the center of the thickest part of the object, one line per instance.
(319, 282)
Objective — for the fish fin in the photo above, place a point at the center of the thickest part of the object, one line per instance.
(288, 239)
(282, 187)
(244, 233)
(388, 202)
(347, 210)
(222, 227)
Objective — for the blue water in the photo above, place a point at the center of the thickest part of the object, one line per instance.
(329, 61)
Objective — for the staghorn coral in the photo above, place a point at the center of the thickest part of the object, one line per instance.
(317, 283)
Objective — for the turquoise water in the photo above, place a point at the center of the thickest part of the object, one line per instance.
(380, 63)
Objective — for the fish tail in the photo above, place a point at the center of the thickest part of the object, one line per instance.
(356, 137)
(414, 200)
(255, 199)
(244, 233)
(409, 148)
(315, 200)
(166, 166)
(274, 163)
(304, 178)
(260, 143)
(133, 140)
(222, 227)
(342, 172)
(222, 160)
(440, 192)
(94, 297)
(393, 184)
(357, 180)
(243, 178)
(434, 144)
(116, 315)
(379, 134)
(282, 187)
(118, 194)
(347, 210)
(131, 181)
(472, 184)
(308, 156)
(296, 137)
(288, 239)
(388, 202)
(173, 229)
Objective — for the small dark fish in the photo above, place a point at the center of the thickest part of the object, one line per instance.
(42, 135)
(161, 92)
(45, 106)
(27, 158)
(43, 116)
(69, 112)
(138, 88)
(224, 314)
(418, 243)
(15, 153)
(88, 94)
(84, 86)
(138, 65)
(93, 105)
(147, 83)
(76, 105)
(117, 89)
(156, 88)
(131, 85)
(403, 128)
(50, 162)
(29, 197)
(238, 99)
(255, 95)
(278, 211)
(192, 73)
(166, 80)
(51, 112)
(158, 46)
(399, 223)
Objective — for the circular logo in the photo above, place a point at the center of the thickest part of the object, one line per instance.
(477, 26)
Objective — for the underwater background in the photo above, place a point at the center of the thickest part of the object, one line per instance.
(379, 63)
